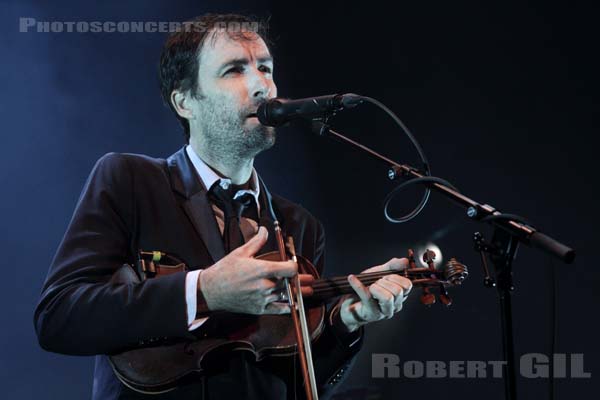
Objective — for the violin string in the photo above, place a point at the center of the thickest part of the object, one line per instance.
(385, 273)
(342, 284)
(347, 289)
(369, 277)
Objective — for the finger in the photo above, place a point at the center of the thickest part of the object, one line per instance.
(398, 303)
(395, 289)
(306, 282)
(277, 269)
(307, 291)
(402, 281)
(361, 290)
(367, 308)
(385, 299)
(277, 308)
(272, 298)
(267, 286)
(347, 301)
(306, 279)
(253, 245)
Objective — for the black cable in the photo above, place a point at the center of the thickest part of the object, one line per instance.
(426, 167)
(426, 178)
(404, 128)
(417, 210)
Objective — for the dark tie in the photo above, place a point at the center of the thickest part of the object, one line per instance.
(232, 211)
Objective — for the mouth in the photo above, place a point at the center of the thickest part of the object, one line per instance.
(252, 115)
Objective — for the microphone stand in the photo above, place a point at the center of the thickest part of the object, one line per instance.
(508, 234)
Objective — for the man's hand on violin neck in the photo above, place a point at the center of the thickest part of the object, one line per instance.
(242, 284)
(380, 300)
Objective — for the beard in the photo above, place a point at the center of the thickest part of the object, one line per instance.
(227, 132)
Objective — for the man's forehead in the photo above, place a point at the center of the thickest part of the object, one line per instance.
(221, 47)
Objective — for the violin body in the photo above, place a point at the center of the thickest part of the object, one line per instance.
(162, 365)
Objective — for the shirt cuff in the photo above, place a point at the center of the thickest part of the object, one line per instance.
(191, 299)
(340, 330)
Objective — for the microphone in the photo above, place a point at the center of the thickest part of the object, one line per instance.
(277, 111)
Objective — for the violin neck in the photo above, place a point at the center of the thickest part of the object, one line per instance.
(324, 289)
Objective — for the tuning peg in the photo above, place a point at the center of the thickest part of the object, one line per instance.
(444, 297)
(428, 258)
(427, 298)
(411, 259)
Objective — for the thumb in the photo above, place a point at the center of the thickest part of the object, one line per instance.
(346, 303)
(253, 245)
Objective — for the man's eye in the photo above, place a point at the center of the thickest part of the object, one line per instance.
(265, 69)
(233, 70)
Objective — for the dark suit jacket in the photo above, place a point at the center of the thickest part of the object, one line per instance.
(133, 202)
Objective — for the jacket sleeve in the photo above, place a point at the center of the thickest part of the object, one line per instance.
(80, 311)
(336, 348)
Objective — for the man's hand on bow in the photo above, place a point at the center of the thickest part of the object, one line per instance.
(243, 284)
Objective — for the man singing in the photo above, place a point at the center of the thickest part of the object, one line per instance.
(207, 205)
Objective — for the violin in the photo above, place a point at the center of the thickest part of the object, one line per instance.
(163, 364)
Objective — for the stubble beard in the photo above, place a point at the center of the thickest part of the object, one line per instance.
(228, 136)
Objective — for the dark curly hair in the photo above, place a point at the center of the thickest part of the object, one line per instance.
(178, 68)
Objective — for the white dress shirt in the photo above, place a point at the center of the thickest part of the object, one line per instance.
(208, 177)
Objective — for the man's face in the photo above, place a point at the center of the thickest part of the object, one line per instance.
(235, 76)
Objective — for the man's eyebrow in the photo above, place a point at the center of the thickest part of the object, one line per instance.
(244, 61)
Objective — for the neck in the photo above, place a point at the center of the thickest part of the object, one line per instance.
(238, 169)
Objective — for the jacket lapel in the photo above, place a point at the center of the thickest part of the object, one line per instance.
(186, 182)
(200, 212)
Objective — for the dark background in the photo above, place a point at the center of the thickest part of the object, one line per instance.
(501, 97)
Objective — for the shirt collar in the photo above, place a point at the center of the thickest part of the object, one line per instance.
(209, 177)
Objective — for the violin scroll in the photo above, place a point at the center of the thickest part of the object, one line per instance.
(453, 274)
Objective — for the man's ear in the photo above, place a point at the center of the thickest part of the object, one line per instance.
(181, 103)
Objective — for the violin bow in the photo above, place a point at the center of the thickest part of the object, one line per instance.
(301, 329)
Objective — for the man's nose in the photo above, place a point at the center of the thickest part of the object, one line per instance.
(260, 86)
